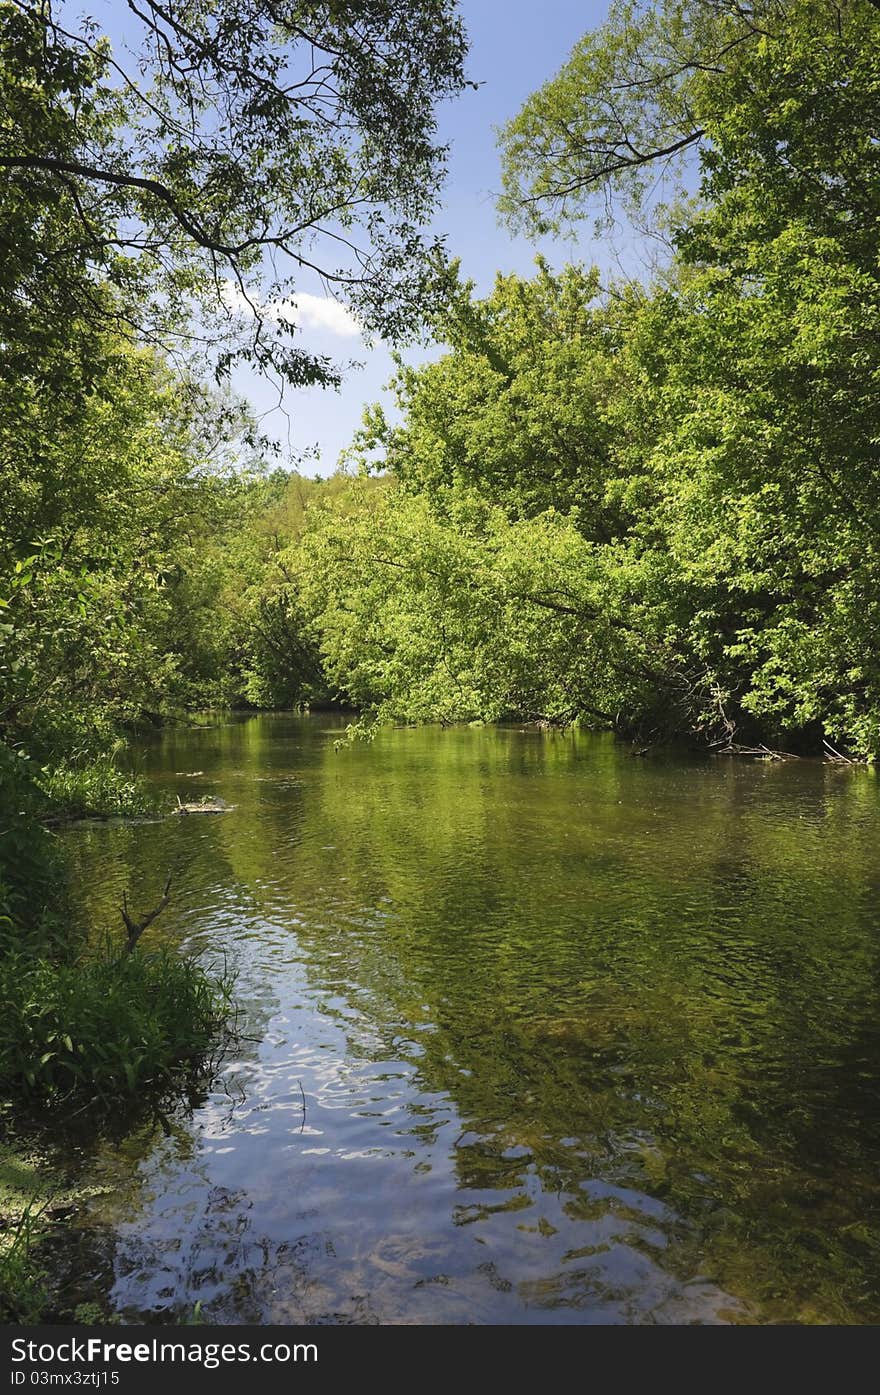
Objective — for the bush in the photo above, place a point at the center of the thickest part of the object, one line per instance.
(98, 789)
(107, 1027)
(31, 869)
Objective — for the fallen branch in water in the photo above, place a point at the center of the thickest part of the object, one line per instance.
(832, 754)
(761, 751)
(208, 804)
(135, 928)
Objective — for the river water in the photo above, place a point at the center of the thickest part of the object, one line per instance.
(535, 1032)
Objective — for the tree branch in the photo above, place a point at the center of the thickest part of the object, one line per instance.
(614, 163)
(135, 928)
(129, 181)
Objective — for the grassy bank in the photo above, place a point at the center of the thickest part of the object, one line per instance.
(23, 1291)
(96, 789)
(103, 1027)
(88, 1031)
(36, 1200)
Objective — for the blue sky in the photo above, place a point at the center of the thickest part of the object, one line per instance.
(514, 47)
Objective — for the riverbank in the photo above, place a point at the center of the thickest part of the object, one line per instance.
(530, 1031)
(38, 1199)
(93, 1023)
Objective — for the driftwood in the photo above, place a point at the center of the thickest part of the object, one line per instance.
(761, 752)
(135, 928)
(832, 754)
(211, 804)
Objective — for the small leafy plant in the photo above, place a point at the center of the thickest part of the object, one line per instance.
(106, 1027)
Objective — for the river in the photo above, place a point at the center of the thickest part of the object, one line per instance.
(534, 1031)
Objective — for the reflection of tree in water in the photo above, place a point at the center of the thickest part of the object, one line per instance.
(89, 1167)
(640, 990)
(667, 998)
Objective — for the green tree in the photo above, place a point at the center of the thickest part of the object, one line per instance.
(687, 90)
(750, 430)
(516, 407)
(245, 145)
(106, 494)
(467, 614)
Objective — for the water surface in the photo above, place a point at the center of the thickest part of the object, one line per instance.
(537, 1032)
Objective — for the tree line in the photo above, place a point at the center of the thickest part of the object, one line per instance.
(648, 503)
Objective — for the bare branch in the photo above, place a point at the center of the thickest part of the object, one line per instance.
(135, 928)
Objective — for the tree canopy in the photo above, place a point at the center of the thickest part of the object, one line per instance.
(183, 182)
(686, 470)
(651, 506)
(691, 95)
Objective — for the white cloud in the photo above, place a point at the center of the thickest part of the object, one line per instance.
(319, 312)
(323, 312)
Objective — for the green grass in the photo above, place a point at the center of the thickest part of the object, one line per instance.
(39, 1195)
(98, 789)
(23, 1292)
(107, 1032)
(25, 1188)
(114, 1033)
(108, 1027)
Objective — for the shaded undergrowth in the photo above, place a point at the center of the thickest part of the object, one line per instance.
(91, 1037)
(106, 1027)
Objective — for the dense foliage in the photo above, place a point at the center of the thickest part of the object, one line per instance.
(118, 1025)
(653, 506)
(164, 201)
(189, 181)
(144, 205)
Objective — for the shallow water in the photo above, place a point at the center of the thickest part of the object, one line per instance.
(538, 1032)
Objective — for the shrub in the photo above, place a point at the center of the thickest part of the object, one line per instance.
(31, 869)
(106, 1027)
(97, 789)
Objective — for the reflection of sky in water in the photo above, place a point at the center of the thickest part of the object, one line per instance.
(539, 1033)
(291, 1218)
